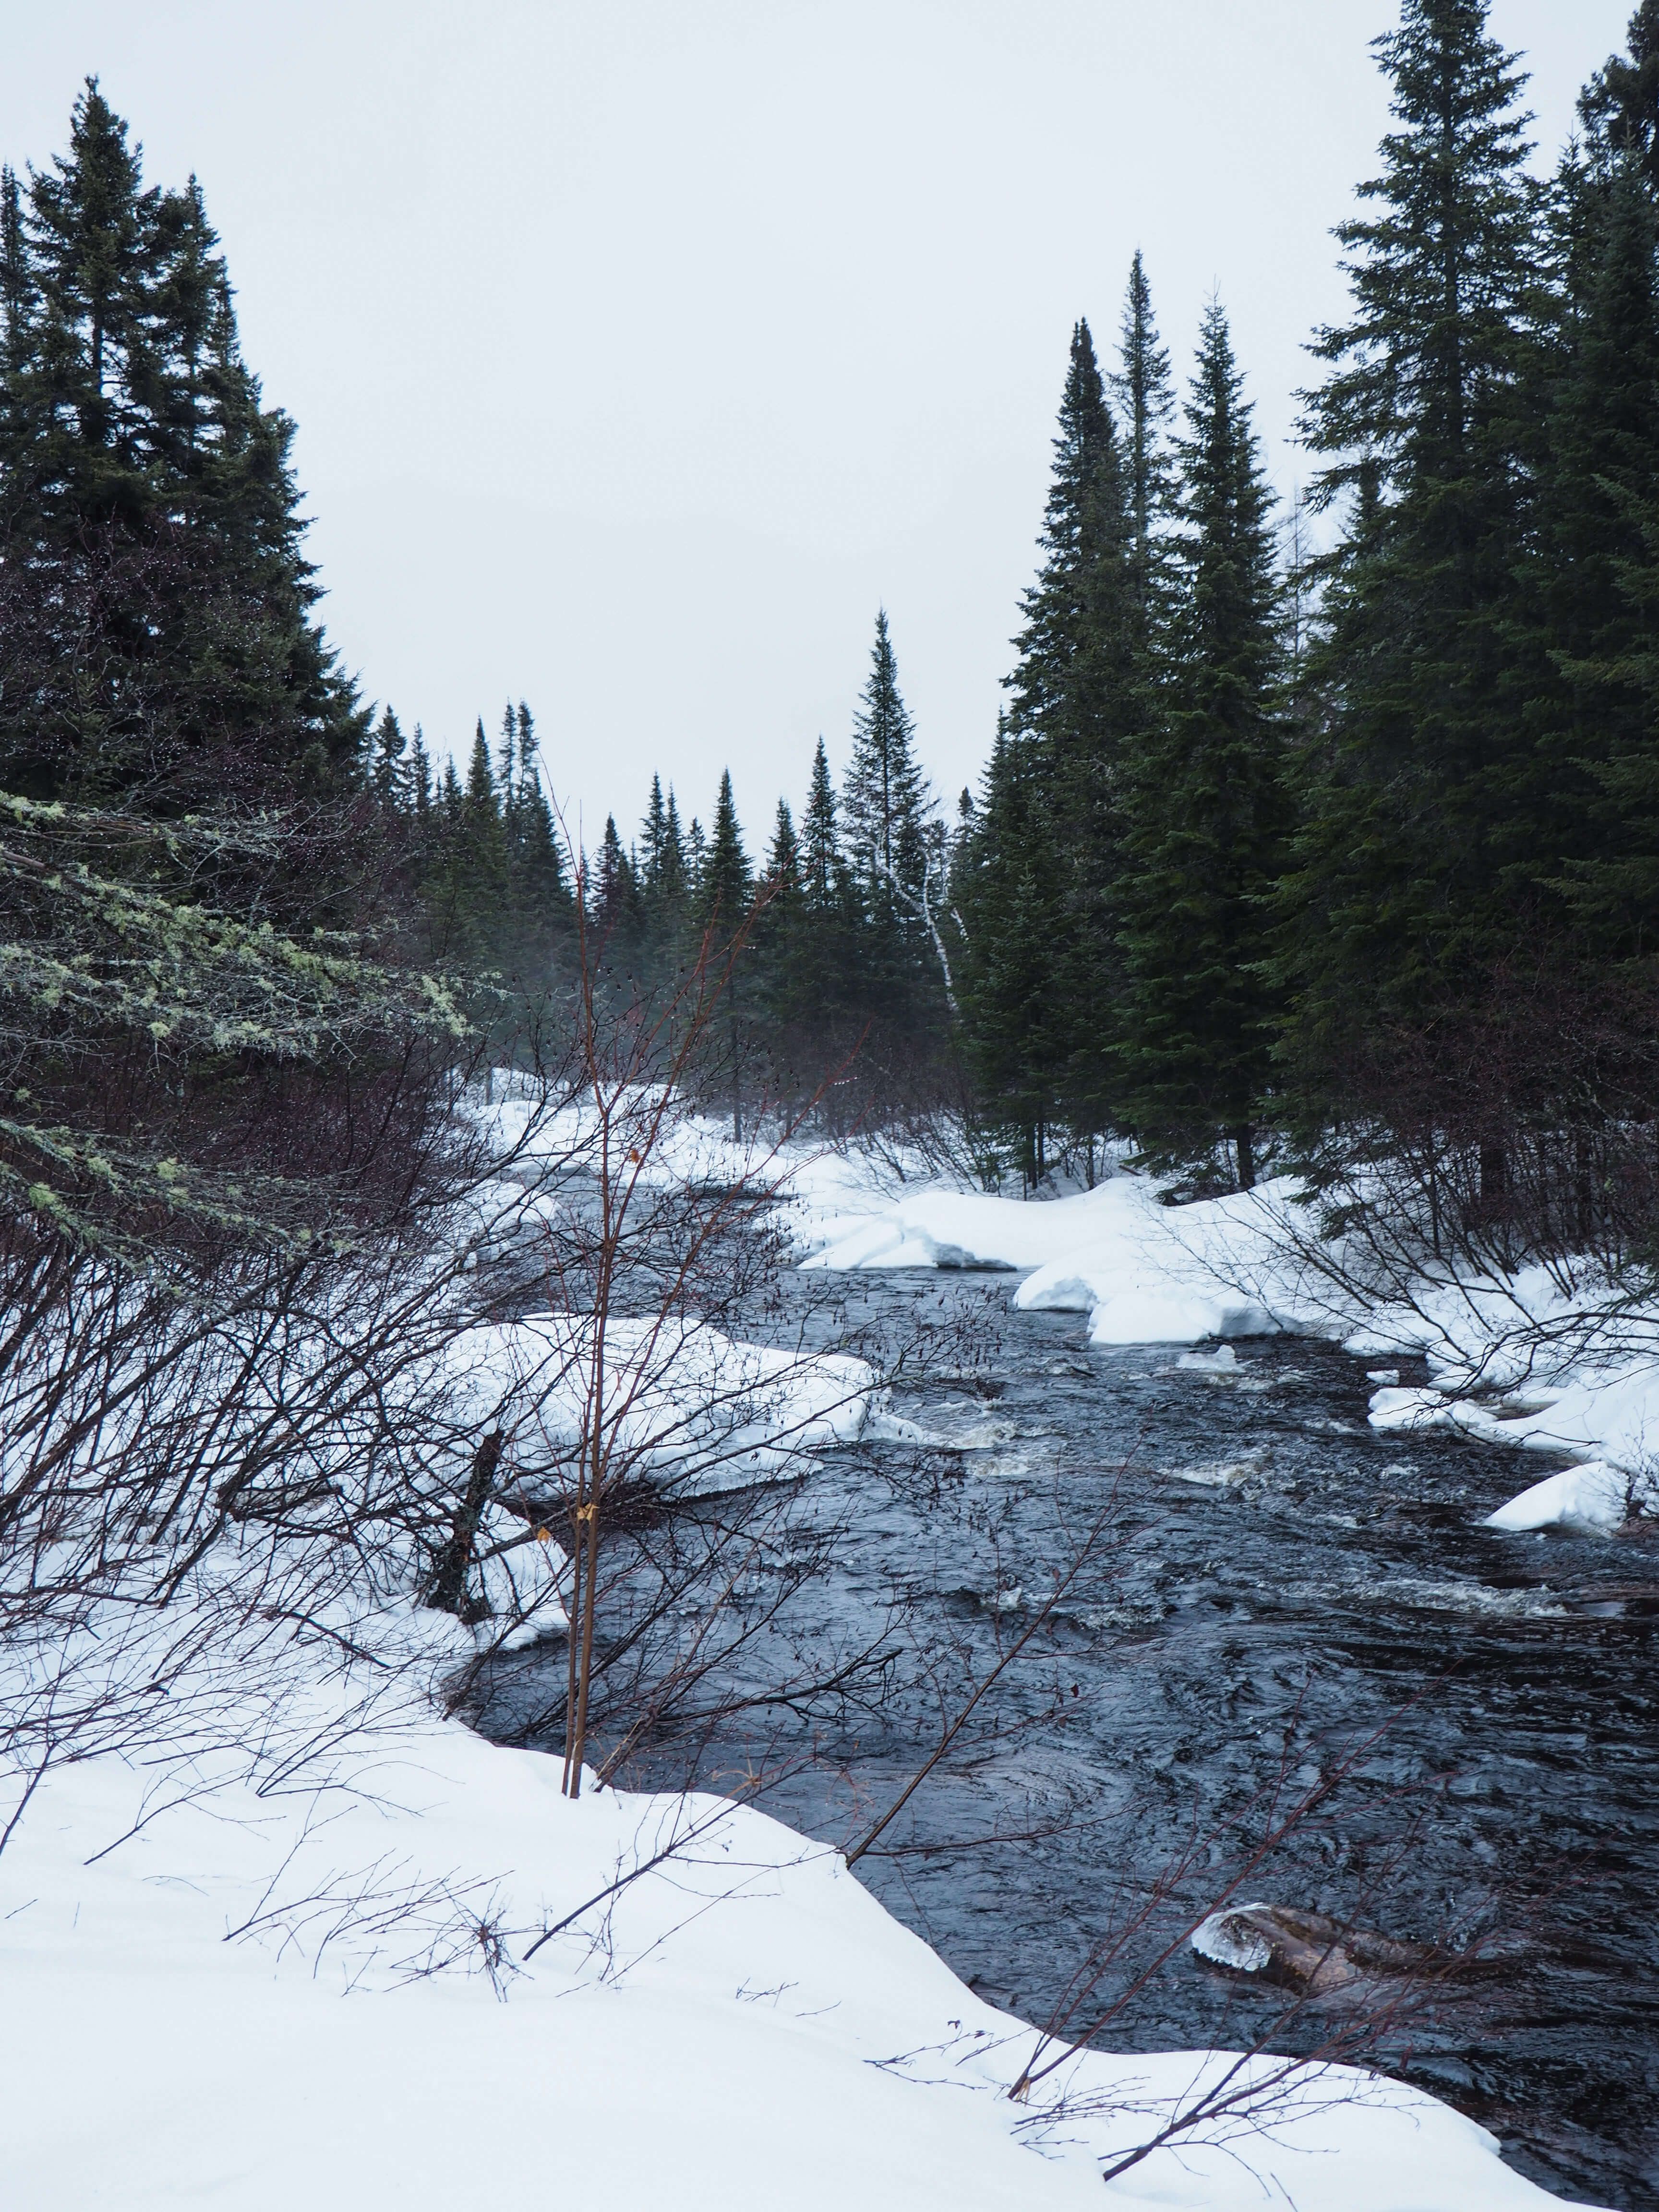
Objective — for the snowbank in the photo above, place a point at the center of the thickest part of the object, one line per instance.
(682, 1402)
(307, 1983)
(1519, 1360)
(1144, 1273)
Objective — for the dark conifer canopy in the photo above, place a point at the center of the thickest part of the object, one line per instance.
(147, 500)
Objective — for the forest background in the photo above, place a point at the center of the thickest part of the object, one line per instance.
(1305, 837)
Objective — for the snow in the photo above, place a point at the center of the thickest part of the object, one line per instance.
(286, 1948)
(739, 2026)
(1595, 1497)
(1113, 1253)
(1557, 1361)
(682, 1401)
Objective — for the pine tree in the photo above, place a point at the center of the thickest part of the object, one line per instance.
(1078, 690)
(885, 799)
(1145, 395)
(148, 496)
(1396, 896)
(724, 881)
(1208, 820)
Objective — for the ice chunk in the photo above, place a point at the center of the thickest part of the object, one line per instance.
(1595, 1497)
(1223, 1360)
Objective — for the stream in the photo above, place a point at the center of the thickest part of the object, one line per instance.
(1271, 1582)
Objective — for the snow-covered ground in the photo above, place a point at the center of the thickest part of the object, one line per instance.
(305, 1979)
(284, 1947)
(1573, 1373)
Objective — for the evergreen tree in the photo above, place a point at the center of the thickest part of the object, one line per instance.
(1012, 894)
(831, 991)
(780, 948)
(1079, 690)
(1593, 580)
(1396, 895)
(1145, 396)
(147, 496)
(783, 861)
(885, 799)
(539, 898)
(481, 858)
(821, 856)
(724, 880)
(1209, 812)
(420, 781)
(1620, 104)
(654, 839)
(389, 776)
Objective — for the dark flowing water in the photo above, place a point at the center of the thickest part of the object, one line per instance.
(1274, 1581)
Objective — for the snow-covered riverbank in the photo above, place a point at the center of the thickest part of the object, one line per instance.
(1573, 1372)
(304, 1979)
(281, 1942)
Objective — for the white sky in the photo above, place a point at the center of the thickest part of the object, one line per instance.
(640, 348)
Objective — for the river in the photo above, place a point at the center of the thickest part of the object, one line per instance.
(1271, 1582)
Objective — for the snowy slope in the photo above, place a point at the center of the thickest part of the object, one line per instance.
(743, 2026)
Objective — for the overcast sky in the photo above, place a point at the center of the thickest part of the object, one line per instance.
(640, 348)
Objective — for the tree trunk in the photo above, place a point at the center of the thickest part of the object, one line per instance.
(1494, 1174)
(448, 1589)
(1245, 1152)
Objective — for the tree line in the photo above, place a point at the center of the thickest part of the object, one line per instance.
(1334, 825)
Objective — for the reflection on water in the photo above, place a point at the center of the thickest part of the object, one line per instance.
(1273, 1582)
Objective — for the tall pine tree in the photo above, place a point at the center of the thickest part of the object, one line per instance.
(158, 609)
(1077, 694)
(1208, 818)
(1396, 899)
(885, 799)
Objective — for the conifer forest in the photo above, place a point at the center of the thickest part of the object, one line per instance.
(1329, 827)
(524, 1298)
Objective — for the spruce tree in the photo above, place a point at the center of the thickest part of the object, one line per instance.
(821, 856)
(1079, 691)
(1145, 397)
(724, 882)
(783, 859)
(538, 896)
(1396, 896)
(885, 799)
(1593, 580)
(147, 496)
(1620, 104)
(1208, 818)
(388, 776)
(1012, 893)
(832, 988)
